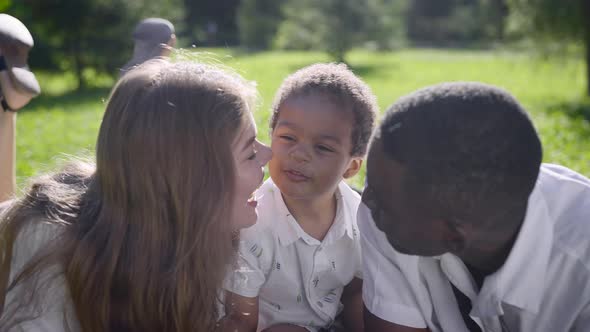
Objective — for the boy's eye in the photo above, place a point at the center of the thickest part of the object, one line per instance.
(325, 148)
(286, 137)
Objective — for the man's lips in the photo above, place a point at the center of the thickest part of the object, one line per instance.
(296, 176)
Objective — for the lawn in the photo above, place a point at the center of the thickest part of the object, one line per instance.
(63, 122)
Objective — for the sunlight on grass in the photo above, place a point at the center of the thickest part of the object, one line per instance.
(552, 91)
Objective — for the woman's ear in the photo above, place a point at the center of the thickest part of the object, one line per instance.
(353, 167)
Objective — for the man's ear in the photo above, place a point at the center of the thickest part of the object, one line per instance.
(353, 167)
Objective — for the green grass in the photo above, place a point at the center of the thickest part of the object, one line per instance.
(65, 122)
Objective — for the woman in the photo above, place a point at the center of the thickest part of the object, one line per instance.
(142, 240)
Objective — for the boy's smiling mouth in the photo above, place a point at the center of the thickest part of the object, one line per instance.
(296, 176)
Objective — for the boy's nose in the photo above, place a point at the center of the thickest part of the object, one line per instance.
(299, 154)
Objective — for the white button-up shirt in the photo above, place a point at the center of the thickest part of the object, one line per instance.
(298, 279)
(544, 285)
(51, 309)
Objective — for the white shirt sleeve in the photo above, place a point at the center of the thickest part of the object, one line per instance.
(582, 323)
(248, 276)
(52, 307)
(386, 291)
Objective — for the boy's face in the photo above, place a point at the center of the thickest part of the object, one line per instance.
(311, 145)
(409, 226)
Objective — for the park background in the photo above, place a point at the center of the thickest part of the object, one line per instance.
(536, 49)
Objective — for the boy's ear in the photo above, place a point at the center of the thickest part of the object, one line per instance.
(353, 167)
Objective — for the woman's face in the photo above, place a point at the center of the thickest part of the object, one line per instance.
(250, 156)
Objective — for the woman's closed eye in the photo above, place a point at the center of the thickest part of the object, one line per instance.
(254, 154)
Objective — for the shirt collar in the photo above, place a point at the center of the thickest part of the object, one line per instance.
(345, 215)
(289, 231)
(520, 281)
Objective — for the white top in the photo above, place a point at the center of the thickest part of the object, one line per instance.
(298, 279)
(52, 302)
(544, 285)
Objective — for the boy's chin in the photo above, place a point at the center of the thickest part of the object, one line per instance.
(293, 189)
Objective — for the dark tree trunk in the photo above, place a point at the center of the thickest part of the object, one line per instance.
(78, 63)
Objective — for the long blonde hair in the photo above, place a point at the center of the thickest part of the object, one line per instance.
(145, 235)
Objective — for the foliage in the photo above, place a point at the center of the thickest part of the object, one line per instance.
(5, 4)
(554, 21)
(336, 26)
(86, 36)
(211, 23)
(258, 22)
(548, 18)
(452, 22)
(386, 25)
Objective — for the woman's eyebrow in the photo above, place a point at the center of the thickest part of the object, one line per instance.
(249, 143)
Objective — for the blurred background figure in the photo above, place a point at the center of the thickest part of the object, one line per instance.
(18, 86)
(153, 37)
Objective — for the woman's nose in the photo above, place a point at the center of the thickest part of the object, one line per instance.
(265, 154)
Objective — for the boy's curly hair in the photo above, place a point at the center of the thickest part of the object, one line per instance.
(343, 87)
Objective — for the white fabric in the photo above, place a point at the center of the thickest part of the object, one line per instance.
(544, 284)
(298, 279)
(52, 302)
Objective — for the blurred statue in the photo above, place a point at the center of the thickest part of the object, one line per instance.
(18, 86)
(153, 37)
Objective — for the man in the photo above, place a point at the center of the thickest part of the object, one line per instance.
(465, 229)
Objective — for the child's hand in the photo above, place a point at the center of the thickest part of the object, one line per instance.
(352, 299)
(241, 314)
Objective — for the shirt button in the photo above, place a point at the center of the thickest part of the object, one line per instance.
(319, 249)
(320, 304)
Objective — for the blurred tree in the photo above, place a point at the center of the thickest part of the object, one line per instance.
(5, 4)
(456, 22)
(562, 21)
(496, 14)
(258, 22)
(336, 26)
(212, 23)
(386, 25)
(87, 35)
